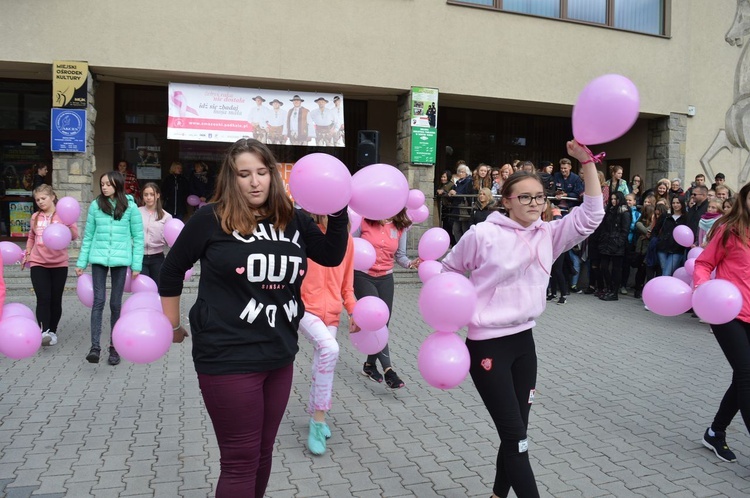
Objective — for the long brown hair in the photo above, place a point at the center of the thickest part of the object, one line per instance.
(736, 221)
(401, 221)
(157, 194)
(232, 209)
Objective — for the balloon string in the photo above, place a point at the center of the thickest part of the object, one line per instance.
(594, 158)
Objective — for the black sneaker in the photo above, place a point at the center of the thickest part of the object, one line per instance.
(114, 357)
(575, 290)
(562, 300)
(93, 356)
(392, 380)
(612, 296)
(589, 291)
(371, 371)
(551, 297)
(718, 444)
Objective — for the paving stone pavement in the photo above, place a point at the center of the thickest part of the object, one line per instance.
(623, 398)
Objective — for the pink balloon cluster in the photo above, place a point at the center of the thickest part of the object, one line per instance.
(314, 177)
(605, 110)
(716, 301)
(142, 335)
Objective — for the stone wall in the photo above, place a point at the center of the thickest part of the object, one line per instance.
(665, 157)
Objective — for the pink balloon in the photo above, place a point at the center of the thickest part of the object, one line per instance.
(717, 301)
(433, 244)
(667, 296)
(379, 191)
(428, 269)
(85, 290)
(128, 280)
(68, 210)
(172, 230)
(370, 342)
(694, 252)
(193, 200)
(56, 236)
(142, 300)
(371, 313)
(364, 254)
(447, 301)
(142, 336)
(142, 283)
(415, 199)
(683, 235)
(188, 274)
(418, 215)
(17, 309)
(20, 337)
(690, 266)
(605, 110)
(11, 253)
(313, 180)
(443, 360)
(355, 220)
(683, 275)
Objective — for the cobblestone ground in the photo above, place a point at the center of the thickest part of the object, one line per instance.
(623, 398)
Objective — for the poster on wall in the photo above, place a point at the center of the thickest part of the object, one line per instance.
(69, 88)
(148, 162)
(226, 114)
(20, 218)
(424, 109)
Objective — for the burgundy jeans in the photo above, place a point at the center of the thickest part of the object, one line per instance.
(246, 410)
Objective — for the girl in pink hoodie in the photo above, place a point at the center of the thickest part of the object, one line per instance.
(510, 258)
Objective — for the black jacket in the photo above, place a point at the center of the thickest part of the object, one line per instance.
(666, 238)
(615, 228)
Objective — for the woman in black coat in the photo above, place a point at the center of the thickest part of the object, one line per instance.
(174, 192)
(612, 242)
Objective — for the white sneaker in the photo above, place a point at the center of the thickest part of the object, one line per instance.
(46, 339)
(52, 339)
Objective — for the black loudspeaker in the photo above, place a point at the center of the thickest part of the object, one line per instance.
(368, 148)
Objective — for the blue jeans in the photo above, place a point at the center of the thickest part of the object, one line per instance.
(99, 276)
(669, 262)
(576, 260)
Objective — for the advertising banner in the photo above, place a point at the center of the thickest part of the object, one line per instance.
(226, 114)
(69, 88)
(20, 218)
(68, 130)
(424, 108)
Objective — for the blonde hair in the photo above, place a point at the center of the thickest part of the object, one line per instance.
(45, 189)
(174, 166)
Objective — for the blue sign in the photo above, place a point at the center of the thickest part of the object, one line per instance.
(68, 130)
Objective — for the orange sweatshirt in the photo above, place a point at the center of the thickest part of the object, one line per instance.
(324, 288)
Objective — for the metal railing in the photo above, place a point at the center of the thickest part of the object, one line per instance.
(445, 203)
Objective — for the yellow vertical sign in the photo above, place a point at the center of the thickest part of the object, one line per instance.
(69, 88)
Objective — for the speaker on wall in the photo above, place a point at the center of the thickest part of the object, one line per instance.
(368, 148)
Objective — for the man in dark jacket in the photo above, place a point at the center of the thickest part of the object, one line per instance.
(699, 195)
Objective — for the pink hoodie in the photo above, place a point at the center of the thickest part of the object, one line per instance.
(510, 265)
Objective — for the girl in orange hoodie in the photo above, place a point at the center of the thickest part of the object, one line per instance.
(323, 291)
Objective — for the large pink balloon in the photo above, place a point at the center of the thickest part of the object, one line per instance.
(172, 230)
(68, 210)
(371, 313)
(443, 360)
(433, 244)
(379, 191)
(128, 280)
(320, 183)
(142, 300)
(690, 266)
(717, 301)
(57, 236)
(142, 283)
(418, 215)
(683, 275)
(694, 252)
(364, 254)
(371, 342)
(85, 290)
(415, 199)
(355, 220)
(447, 301)
(20, 337)
(193, 200)
(667, 296)
(605, 110)
(11, 253)
(429, 269)
(683, 235)
(17, 309)
(142, 336)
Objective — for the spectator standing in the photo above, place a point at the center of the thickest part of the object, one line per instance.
(154, 218)
(612, 241)
(131, 182)
(201, 182)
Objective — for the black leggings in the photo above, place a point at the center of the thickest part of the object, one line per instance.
(49, 284)
(557, 280)
(504, 372)
(734, 339)
(612, 277)
(382, 287)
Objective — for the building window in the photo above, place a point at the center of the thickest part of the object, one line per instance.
(642, 16)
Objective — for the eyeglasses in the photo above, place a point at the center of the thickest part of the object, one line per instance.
(495, 174)
(525, 199)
